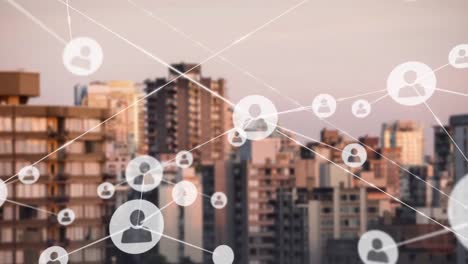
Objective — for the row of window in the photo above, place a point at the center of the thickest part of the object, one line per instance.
(40, 124)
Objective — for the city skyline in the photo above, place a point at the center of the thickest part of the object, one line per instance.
(444, 37)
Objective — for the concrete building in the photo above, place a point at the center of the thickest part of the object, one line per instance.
(182, 115)
(443, 163)
(409, 137)
(69, 177)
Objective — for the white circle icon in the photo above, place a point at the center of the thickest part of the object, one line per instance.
(411, 83)
(144, 173)
(184, 193)
(377, 247)
(55, 255)
(223, 255)
(136, 226)
(218, 200)
(82, 56)
(184, 159)
(458, 56)
(354, 155)
(29, 175)
(237, 137)
(105, 190)
(324, 105)
(3, 192)
(256, 115)
(458, 210)
(66, 217)
(361, 108)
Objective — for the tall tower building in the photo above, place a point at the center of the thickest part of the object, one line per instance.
(409, 137)
(182, 115)
(69, 178)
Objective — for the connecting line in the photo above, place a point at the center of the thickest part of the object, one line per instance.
(379, 99)
(69, 20)
(31, 207)
(426, 236)
(180, 241)
(360, 95)
(200, 193)
(446, 132)
(372, 185)
(36, 20)
(451, 92)
(393, 162)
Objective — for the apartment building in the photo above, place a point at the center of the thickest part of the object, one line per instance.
(69, 177)
(409, 137)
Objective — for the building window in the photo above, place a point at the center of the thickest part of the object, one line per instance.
(31, 124)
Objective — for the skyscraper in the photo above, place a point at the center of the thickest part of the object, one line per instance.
(409, 137)
(182, 116)
(69, 177)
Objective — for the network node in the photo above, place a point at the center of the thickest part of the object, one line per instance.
(223, 255)
(458, 210)
(354, 155)
(66, 217)
(184, 159)
(105, 190)
(324, 105)
(361, 108)
(144, 173)
(458, 56)
(54, 255)
(377, 247)
(136, 226)
(237, 137)
(411, 83)
(29, 175)
(256, 115)
(3, 192)
(82, 56)
(219, 200)
(184, 193)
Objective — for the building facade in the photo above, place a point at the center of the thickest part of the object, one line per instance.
(409, 137)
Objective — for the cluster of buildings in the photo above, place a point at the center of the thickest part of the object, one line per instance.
(286, 204)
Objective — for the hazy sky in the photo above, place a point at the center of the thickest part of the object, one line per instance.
(340, 47)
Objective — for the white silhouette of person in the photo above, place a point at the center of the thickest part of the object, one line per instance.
(145, 177)
(53, 258)
(82, 60)
(105, 191)
(219, 201)
(324, 108)
(236, 138)
(137, 233)
(255, 123)
(361, 110)
(375, 254)
(354, 156)
(462, 57)
(411, 88)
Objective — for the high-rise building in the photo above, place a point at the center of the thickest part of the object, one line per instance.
(182, 116)
(69, 178)
(443, 163)
(459, 130)
(409, 137)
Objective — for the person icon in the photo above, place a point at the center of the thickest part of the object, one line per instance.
(375, 254)
(66, 217)
(219, 200)
(255, 123)
(462, 57)
(236, 138)
(354, 156)
(29, 176)
(83, 59)
(412, 88)
(137, 233)
(361, 109)
(145, 177)
(324, 108)
(184, 160)
(53, 258)
(105, 191)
